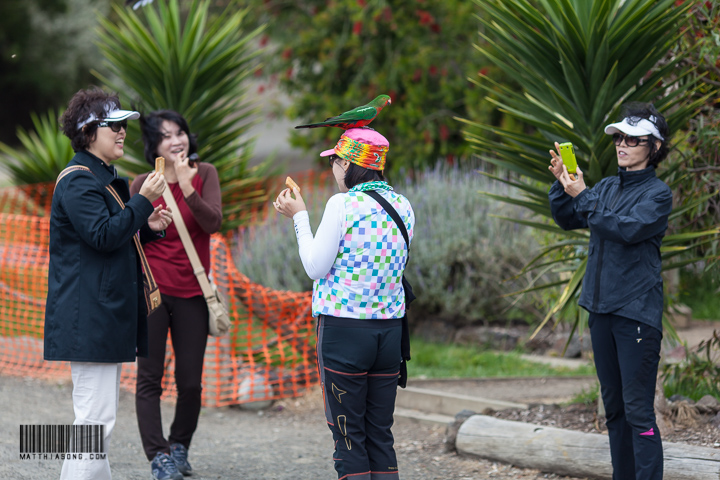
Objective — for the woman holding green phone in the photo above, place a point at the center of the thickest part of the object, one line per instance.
(622, 289)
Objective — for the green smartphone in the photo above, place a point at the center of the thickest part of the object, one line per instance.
(567, 153)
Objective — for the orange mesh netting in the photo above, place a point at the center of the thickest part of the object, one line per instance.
(268, 354)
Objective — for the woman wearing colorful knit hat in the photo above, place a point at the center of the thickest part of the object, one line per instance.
(357, 259)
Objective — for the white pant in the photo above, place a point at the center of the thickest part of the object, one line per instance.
(96, 393)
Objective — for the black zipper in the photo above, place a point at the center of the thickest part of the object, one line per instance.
(601, 249)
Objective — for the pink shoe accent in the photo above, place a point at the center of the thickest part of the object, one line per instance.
(650, 432)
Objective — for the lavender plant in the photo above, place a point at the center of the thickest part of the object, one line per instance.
(463, 258)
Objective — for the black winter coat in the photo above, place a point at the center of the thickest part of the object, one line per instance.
(627, 216)
(95, 310)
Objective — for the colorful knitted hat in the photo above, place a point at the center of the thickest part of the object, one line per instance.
(362, 146)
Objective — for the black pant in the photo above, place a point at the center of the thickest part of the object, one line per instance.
(627, 353)
(187, 320)
(359, 362)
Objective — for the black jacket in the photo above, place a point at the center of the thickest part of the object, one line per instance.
(627, 216)
(95, 309)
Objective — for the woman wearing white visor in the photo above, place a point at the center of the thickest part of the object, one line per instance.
(622, 289)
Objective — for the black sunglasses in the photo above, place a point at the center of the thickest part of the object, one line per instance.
(332, 159)
(630, 141)
(114, 126)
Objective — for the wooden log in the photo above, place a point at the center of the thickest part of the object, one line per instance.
(568, 452)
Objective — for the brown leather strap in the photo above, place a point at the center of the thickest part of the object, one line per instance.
(190, 250)
(116, 196)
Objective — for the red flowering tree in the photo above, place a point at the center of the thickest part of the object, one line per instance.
(334, 55)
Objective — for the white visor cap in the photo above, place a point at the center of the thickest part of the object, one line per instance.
(635, 126)
(112, 114)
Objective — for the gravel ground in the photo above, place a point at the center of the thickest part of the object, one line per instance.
(287, 441)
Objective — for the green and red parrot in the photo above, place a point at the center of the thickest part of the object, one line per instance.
(356, 118)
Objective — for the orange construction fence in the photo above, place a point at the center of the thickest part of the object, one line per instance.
(268, 354)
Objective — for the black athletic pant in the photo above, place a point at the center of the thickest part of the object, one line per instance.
(627, 353)
(359, 362)
(187, 320)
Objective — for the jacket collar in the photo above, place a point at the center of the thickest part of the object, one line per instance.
(635, 177)
(104, 173)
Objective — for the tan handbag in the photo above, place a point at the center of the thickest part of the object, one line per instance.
(152, 292)
(218, 317)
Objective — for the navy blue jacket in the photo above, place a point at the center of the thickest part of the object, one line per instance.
(95, 310)
(627, 216)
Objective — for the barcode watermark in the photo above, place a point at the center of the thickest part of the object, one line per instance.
(62, 441)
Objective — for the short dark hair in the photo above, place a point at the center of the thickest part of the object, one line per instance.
(151, 125)
(84, 103)
(647, 110)
(355, 174)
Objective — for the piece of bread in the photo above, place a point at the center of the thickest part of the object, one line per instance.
(160, 165)
(290, 183)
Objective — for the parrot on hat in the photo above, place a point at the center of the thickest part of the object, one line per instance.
(356, 118)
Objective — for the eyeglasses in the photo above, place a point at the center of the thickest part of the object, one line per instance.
(629, 140)
(114, 126)
(333, 159)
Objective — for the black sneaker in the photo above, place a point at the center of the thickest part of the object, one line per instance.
(163, 468)
(179, 453)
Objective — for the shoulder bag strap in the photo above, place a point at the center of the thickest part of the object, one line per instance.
(68, 170)
(394, 215)
(116, 196)
(187, 242)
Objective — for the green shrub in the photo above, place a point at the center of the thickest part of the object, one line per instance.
(698, 374)
(462, 258)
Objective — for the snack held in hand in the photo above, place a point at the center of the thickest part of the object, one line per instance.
(290, 183)
(160, 165)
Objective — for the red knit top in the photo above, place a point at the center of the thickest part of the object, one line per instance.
(202, 213)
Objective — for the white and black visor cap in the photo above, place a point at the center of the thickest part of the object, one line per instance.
(636, 127)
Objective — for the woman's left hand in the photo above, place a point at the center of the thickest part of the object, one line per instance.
(572, 187)
(160, 219)
(185, 173)
(286, 205)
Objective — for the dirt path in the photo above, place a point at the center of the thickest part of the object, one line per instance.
(287, 442)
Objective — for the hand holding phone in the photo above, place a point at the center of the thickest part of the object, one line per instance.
(567, 154)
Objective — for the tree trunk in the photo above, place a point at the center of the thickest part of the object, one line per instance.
(568, 452)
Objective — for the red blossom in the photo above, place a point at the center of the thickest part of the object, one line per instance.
(264, 40)
(417, 75)
(287, 53)
(289, 72)
(433, 70)
(427, 137)
(435, 28)
(678, 3)
(426, 17)
(444, 72)
(699, 34)
(708, 5)
(483, 72)
(357, 27)
(450, 159)
(362, 3)
(258, 72)
(387, 14)
(444, 132)
(261, 89)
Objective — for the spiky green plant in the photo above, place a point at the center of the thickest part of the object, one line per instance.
(578, 62)
(45, 152)
(197, 64)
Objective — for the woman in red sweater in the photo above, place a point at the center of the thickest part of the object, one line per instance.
(196, 189)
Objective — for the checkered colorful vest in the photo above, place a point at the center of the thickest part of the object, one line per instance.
(365, 281)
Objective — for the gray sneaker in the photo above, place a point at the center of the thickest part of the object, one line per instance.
(179, 453)
(163, 468)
